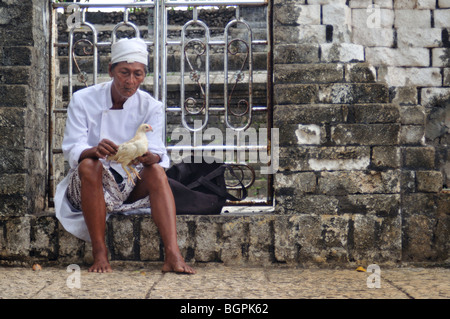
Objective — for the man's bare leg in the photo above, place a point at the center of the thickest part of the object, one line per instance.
(94, 211)
(154, 183)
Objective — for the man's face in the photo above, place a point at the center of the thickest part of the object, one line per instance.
(127, 77)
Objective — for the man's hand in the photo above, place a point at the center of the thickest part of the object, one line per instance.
(104, 149)
(148, 159)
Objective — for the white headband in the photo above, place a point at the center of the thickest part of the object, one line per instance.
(129, 50)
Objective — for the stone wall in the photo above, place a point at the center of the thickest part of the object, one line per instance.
(358, 182)
(348, 92)
(24, 35)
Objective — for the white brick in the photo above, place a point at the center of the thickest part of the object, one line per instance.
(342, 34)
(309, 14)
(444, 3)
(388, 4)
(447, 77)
(442, 18)
(414, 4)
(312, 34)
(327, 1)
(336, 14)
(415, 37)
(360, 3)
(410, 76)
(343, 52)
(308, 134)
(373, 18)
(378, 37)
(413, 18)
(398, 57)
(440, 57)
(428, 94)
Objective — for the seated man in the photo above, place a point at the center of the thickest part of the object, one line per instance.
(100, 118)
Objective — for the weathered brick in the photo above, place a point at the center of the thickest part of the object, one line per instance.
(14, 75)
(429, 181)
(324, 158)
(404, 95)
(419, 37)
(122, 237)
(11, 184)
(359, 182)
(16, 56)
(342, 52)
(419, 157)
(308, 114)
(295, 93)
(44, 237)
(375, 37)
(206, 242)
(369, 19)
(412, 135)
(395, 76)
(17, 236)
(416, 57)
(296, 53)
(303, 182)
(360, 134)
(442, 18)
(353, 93)
(13, 95)
(309, 73)
(373, 113)
(376, 239)
(412, 18)
(302, 35)
(412, 114)
(297, 238)
(386, 157)
(379, 205)
(149, 240)
(294, 14)
(336, 14)
(360, 73)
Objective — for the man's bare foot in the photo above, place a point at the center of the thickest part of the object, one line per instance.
(176, 263)
(101, 263)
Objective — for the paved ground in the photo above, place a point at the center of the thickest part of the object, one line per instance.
(145, 281)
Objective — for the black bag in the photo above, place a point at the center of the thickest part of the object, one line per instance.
(200, 188)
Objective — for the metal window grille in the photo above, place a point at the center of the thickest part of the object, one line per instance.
(208, 77)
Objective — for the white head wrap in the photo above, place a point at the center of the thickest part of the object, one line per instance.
(129, 50)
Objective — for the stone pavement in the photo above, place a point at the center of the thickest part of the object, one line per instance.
(145, 281)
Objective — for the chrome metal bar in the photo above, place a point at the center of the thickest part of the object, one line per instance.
(182, 71)
(156, 53)
(217, 147)
(71, 56)
(218, 109)
(163, 47)
(104, 5)
(170, 4)
(126, 23)
(180, 3)
(250, 70)
(219, 42)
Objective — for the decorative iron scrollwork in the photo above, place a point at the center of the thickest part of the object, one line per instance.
(82, 75)
(190, 104)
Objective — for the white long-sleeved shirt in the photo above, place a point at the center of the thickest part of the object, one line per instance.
(91, 119)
